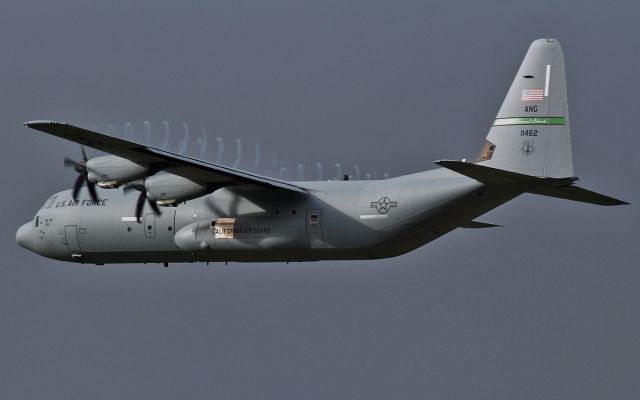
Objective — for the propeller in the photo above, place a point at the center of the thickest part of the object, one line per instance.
(83, 177)
(142, 198)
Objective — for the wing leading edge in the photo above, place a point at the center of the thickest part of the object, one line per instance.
(187, 167)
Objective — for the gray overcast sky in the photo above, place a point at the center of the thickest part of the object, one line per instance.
(545, 307)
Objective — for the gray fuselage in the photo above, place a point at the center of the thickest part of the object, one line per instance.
(334, 220)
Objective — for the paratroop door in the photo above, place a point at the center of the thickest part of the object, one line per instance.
(314, 228)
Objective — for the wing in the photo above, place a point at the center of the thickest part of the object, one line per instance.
(190, 168)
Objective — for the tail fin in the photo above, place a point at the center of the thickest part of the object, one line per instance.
(531, 132)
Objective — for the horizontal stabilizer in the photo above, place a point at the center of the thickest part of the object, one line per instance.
(479, 224)
(577, 193)
(491, 175)
(561, 188)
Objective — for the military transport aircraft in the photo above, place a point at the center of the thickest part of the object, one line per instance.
(179, 209)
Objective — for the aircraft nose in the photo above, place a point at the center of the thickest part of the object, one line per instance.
(23, 236)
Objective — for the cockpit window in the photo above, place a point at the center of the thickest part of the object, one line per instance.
(37, 220)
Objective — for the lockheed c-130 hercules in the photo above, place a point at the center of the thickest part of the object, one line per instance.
(188, 210)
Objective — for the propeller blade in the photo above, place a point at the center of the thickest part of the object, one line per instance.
(77, 185)
(154, 207)
(84, 154)
(140, 205)
(70, 163)
(129, 186)
(92, 190)
(142, 198)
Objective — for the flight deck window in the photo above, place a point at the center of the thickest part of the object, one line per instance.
(37, 220)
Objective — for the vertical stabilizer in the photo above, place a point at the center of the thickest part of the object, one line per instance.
(530, 134)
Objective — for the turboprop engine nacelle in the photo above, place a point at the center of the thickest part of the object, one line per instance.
(114, 171)
(168, 189)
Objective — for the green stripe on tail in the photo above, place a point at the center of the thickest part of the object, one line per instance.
(529, 121)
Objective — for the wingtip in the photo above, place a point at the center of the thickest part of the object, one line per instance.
(447, 162)
(612, 201)
(31, 124)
